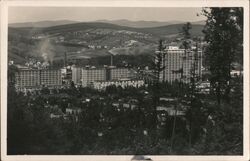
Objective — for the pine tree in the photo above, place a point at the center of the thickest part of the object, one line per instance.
(223, 33)
(186, 43)
(186, 35)
(158, 67)
(12, 71)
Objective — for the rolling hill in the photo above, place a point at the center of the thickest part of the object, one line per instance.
(40, 24)
(161, 31)
(139, 24)
(79, 38)
(119, 22)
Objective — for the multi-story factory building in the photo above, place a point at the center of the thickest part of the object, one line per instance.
(179, 64)
(36, 78)
(119, 73)
(27, 78)
(50, 77)
(90, 75)
(77, 75)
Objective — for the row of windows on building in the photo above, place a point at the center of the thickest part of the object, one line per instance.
(33, 78)
(177, 61)
(87, 76)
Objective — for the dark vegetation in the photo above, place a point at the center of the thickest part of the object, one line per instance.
(216, 129)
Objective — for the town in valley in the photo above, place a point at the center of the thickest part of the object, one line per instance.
(108, 87)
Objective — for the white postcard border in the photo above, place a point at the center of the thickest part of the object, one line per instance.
(125, 3)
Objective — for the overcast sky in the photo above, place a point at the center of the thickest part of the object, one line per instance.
(33, 14)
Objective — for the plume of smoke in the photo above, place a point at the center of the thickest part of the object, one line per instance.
(47, 50)
(45, 56)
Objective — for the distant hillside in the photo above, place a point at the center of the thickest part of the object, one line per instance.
(139, 24)
(121, 22)
(42, 23)
(173, 29)
(203, 22)
(157, 31)
(89, 40)
(84, 26)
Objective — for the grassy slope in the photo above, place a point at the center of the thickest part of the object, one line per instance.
(157, 32)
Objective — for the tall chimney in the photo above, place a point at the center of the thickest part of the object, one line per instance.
(111, 60)
(65, 59)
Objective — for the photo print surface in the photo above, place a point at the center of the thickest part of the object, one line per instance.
(125, 81)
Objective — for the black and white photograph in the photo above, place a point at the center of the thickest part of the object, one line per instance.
(125, 80)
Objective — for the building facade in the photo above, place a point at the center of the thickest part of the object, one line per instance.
(35, 78)
(27, 78)
(120, 73)
(179, 64)
(76, 75)
(90, 75)
(50, 77)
